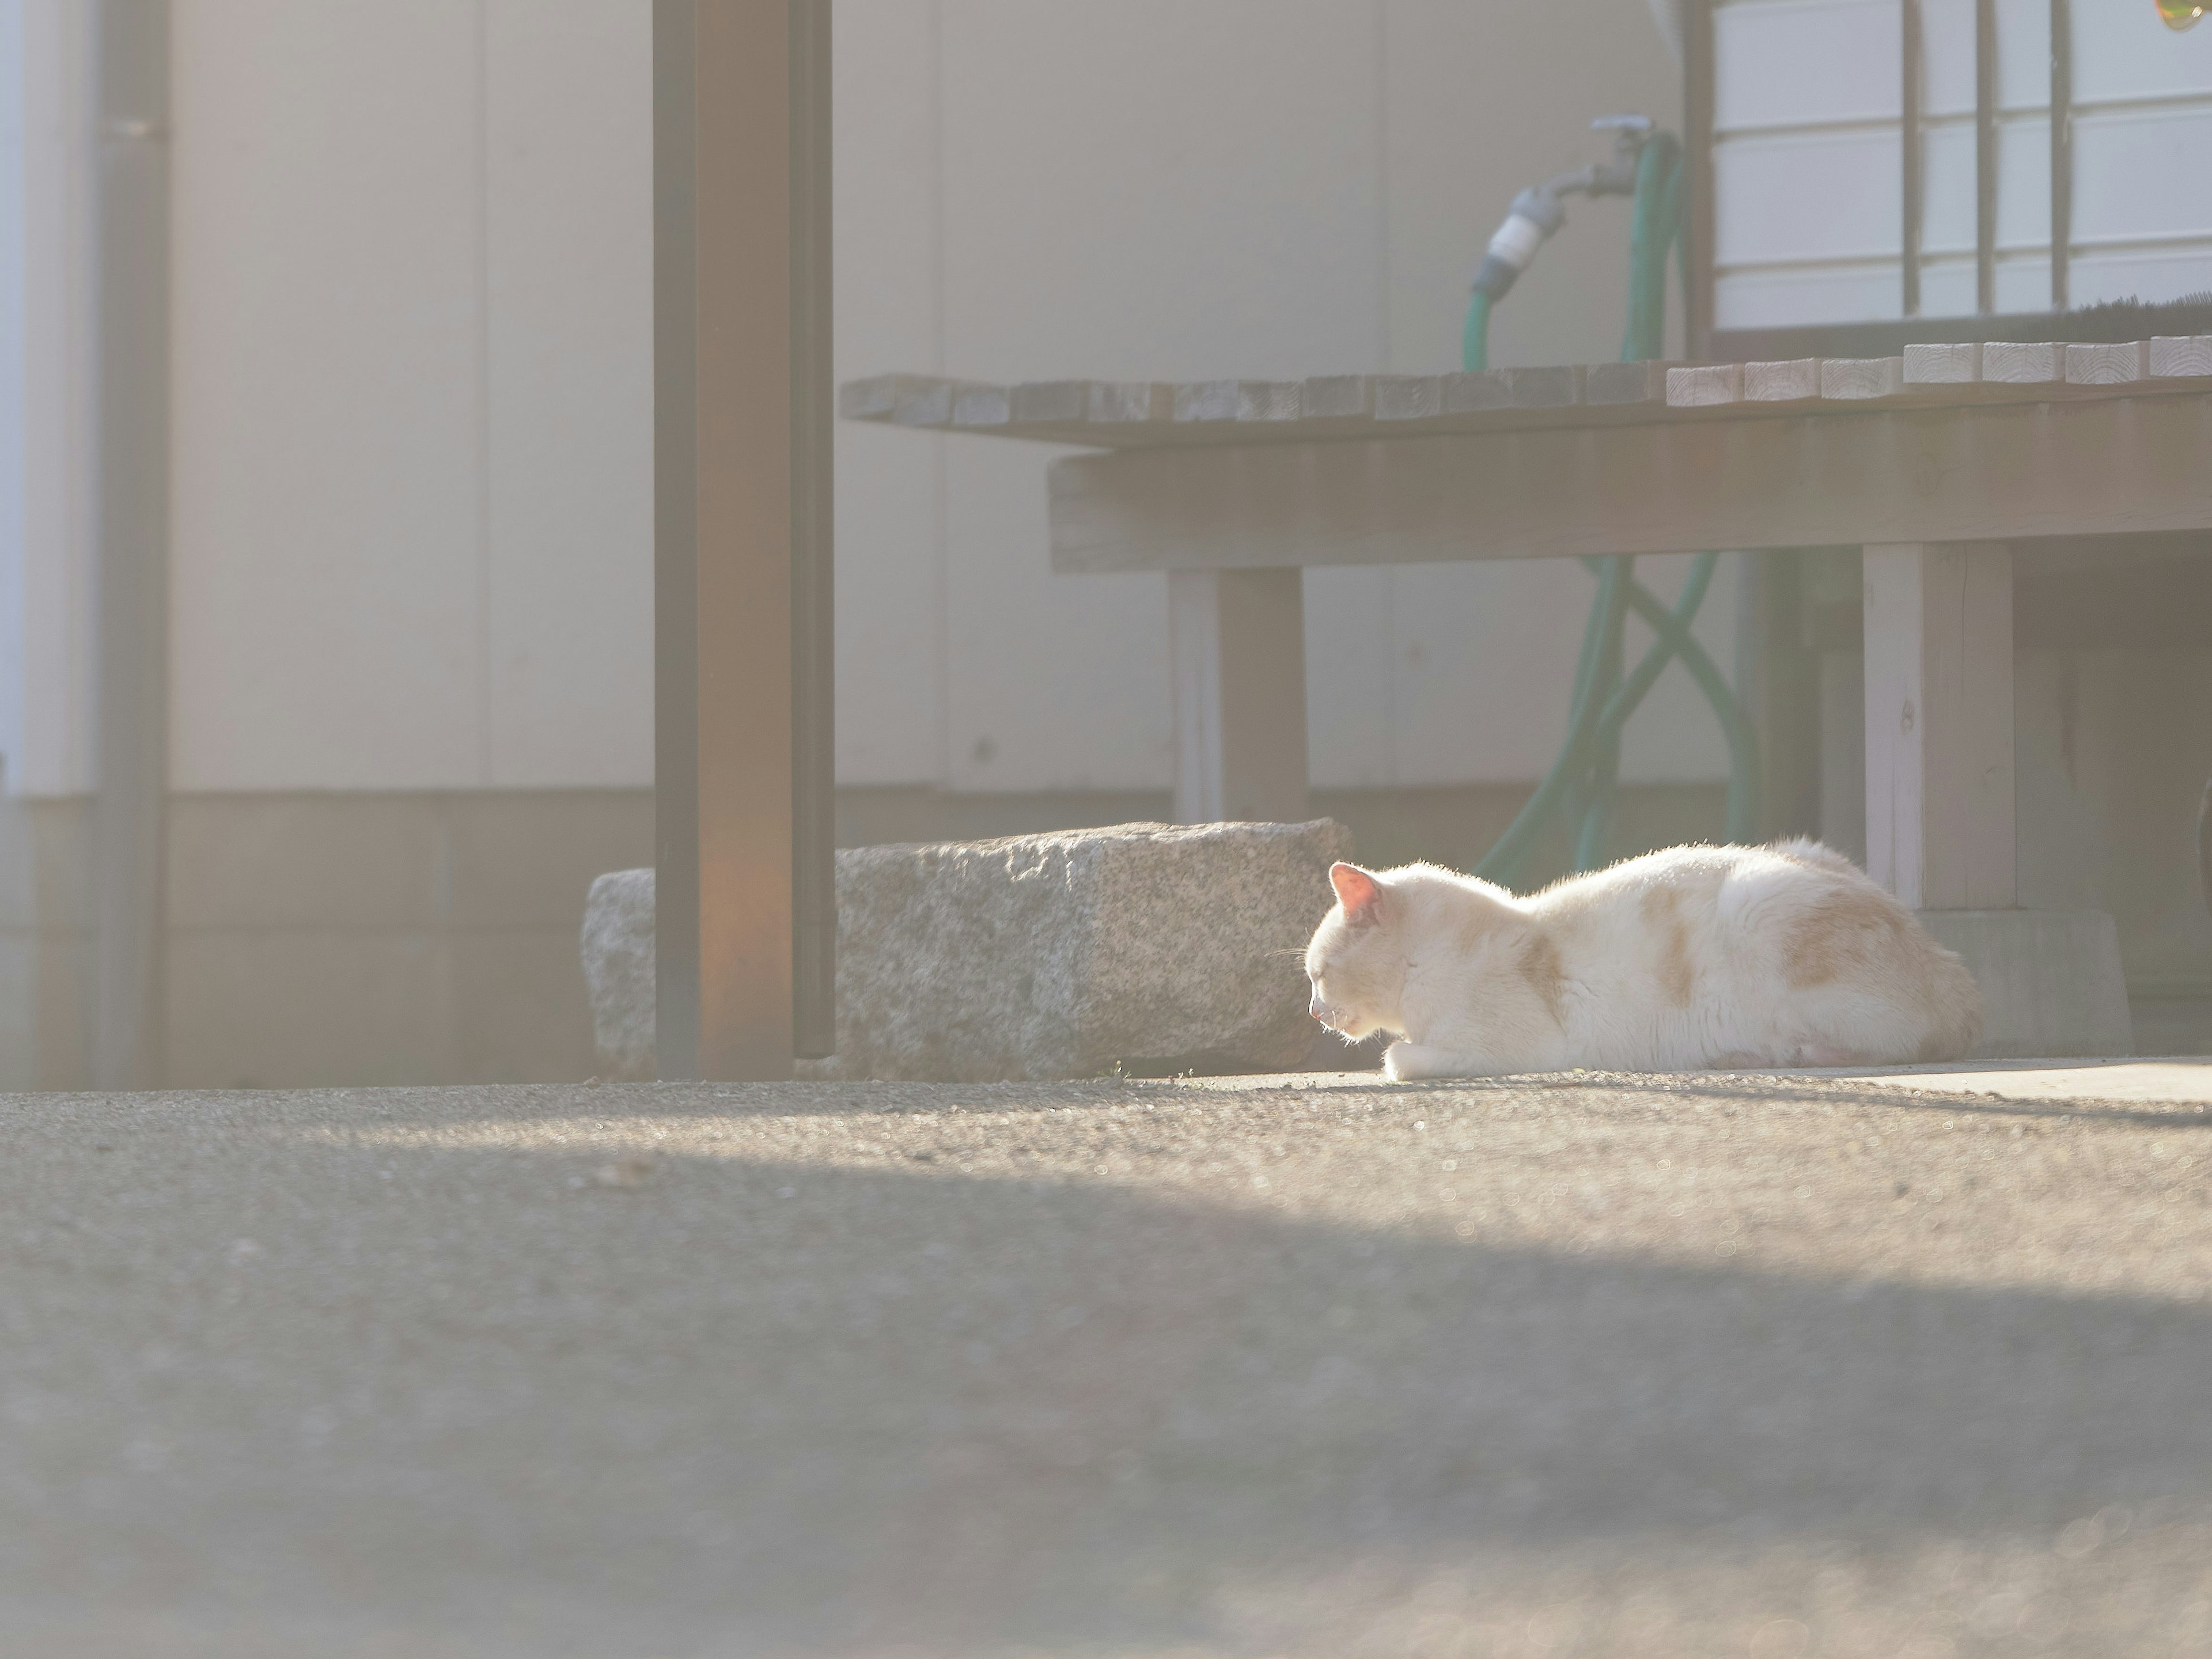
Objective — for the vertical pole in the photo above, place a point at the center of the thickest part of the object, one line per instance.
(1911, 77)
(732, 524)
(132, 399)
(1939, 724)
(813, 659)
(1697, 174)
(2061, 152)
(1776, 681)
(1985, 155)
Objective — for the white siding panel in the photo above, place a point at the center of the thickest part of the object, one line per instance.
(2023, 187)
(14, 395)
(1437, 674)
(1947, 288)
(2024, 50)
(1673, 737)
(1453, 162)
(1947, 34)
(2164, 274)
(569, 307)
(2023, 283)
(1947, 199)
(2123, 51)
(1946, 57)
(1803, 197)
(1799, 62)
(1352, 732)
(1192, 213)
(327, 616)
(55, 754)
(1057, 682)
(889, 277)
(2142, 174)
(1782, 299)
(1485, 668)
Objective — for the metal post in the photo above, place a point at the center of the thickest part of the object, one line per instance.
(1697, 175)
(741, 527)
(2061, 152)
(813, 659)
(1911, 77)
(132, 399)
(1985, 156)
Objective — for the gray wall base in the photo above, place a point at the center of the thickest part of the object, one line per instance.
(2050, 980)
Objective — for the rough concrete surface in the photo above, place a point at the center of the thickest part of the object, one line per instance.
(1697, 1365)
(617, 947)
(1155, 948)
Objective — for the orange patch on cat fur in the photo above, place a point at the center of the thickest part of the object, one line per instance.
(1539, 965)
(1662, 909)
(1843, 930)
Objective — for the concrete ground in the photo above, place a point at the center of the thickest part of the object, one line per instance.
(1908, 1365)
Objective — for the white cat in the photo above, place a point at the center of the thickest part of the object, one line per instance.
(1695, 956)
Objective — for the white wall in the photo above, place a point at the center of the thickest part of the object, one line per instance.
(1034, 188)
(412, 336)
(413, 478)
(46, 620)
(14, 390)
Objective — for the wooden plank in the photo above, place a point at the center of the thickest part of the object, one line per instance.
(1408, 397)
(2180, 356)
(1043, 402)
(928, 401)
(1860, 380)
(1795, 381)
(1705, 386)
(1555, 387)
(1339, 397)
(1477, 392)
(1269, 400)
(1945, 365)
(1899, 473)
(2107, 365)
(1939, 724)
(1130, 403)
(1237, 651)
(980, 407)
(1206, 400)
(1613, 386)
(875, 396)
(2022, 362)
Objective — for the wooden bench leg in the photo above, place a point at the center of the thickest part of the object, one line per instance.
(1237, 652)
(1938, 802)
(1939, 718)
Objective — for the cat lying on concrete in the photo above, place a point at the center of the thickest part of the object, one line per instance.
(1696, 957)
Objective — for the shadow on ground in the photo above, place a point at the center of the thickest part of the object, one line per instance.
(252, 1384)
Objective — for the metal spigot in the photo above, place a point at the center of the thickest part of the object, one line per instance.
(1538, 211)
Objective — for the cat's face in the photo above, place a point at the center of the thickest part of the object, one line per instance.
(1357, 961)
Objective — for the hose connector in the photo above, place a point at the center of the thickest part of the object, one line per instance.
(1536, 212)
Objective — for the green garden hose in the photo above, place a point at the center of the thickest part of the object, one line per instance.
(1583, 783)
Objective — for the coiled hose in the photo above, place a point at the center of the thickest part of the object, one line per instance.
(1582, 783)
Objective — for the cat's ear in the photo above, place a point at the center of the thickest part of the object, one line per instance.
(1358, 892)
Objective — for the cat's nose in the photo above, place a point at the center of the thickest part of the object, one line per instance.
(1317, 1008)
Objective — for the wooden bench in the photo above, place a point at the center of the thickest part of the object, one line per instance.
(1932, 463)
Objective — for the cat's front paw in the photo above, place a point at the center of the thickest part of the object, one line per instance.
(1417, 1062)
(1408, 1062)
